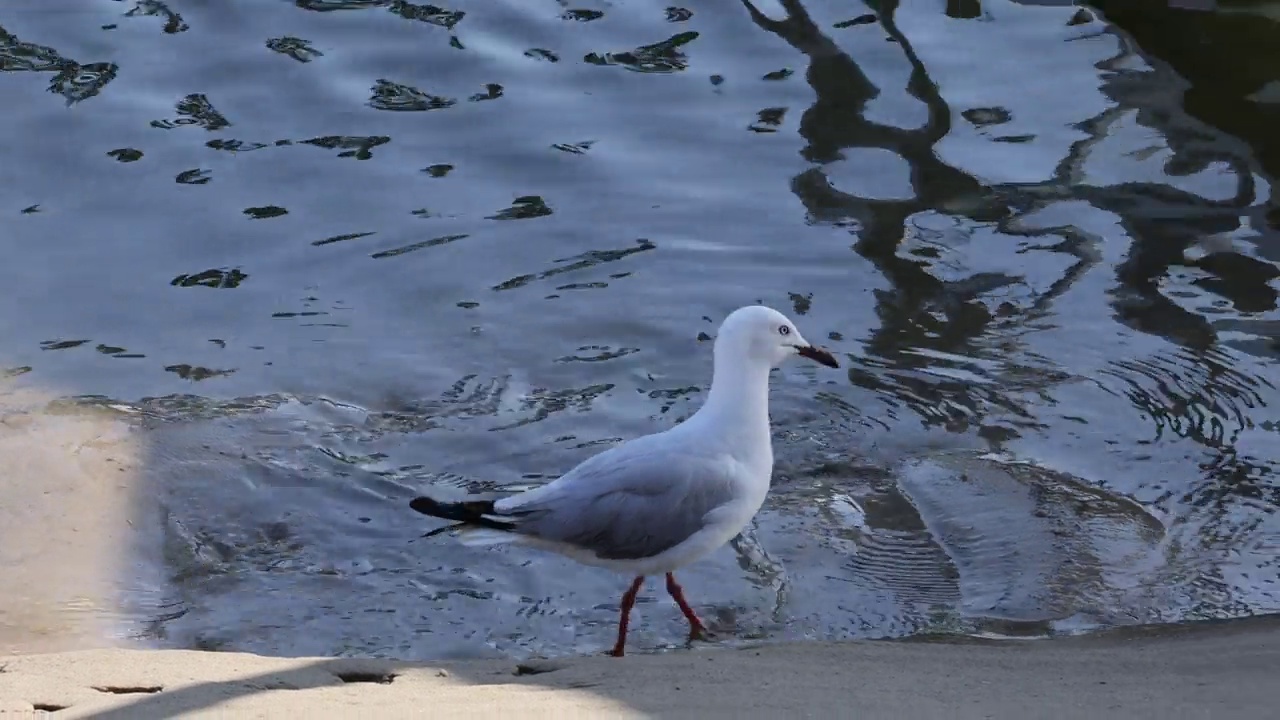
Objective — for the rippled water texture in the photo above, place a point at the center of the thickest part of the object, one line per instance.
(274, 267)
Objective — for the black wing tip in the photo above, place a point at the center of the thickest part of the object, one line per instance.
(425, 505)
(467, 510)
(466, 513)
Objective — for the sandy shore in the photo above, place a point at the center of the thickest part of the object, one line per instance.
(1216, 670)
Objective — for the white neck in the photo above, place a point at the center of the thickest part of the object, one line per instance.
(738, 405)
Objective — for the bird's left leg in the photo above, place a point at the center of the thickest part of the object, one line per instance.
(697, 631)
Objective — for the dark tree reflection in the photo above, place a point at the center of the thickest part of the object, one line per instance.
(1191, 390)
(921, 310)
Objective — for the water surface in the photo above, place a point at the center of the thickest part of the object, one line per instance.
(292, 263)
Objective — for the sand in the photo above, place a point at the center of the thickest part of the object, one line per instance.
(66, 520)
(1215, 670)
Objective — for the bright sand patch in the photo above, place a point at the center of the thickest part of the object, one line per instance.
(67, 485)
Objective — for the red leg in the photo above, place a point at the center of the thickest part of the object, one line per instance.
(628, 601)
(696, 630)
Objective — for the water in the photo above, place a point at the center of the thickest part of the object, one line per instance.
(275, 267)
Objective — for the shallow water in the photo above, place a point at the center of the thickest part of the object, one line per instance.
(300, 261)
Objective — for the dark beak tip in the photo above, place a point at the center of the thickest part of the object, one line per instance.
(820, 355)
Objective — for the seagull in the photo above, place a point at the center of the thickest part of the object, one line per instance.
(658, 502)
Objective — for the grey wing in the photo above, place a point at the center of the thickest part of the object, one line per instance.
(635, 507)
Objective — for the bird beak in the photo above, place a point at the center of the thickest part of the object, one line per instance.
(818, 355)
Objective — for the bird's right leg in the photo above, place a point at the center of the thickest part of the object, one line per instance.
(628, 601)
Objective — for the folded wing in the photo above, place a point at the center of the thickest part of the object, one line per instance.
(625, 506)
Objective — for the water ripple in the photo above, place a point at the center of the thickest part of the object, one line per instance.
(660, 57)
(586, 260)
(74, 81)
(195, 109)
(393, 96)
(1197, 395)
(173, 22)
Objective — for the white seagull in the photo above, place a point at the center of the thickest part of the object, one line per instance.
(661, 501)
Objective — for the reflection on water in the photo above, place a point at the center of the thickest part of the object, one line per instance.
(1052, 278)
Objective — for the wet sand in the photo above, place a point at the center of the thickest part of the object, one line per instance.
(1209, 670)
(67, 507)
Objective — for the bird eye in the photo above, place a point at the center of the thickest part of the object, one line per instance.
(784, 330)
